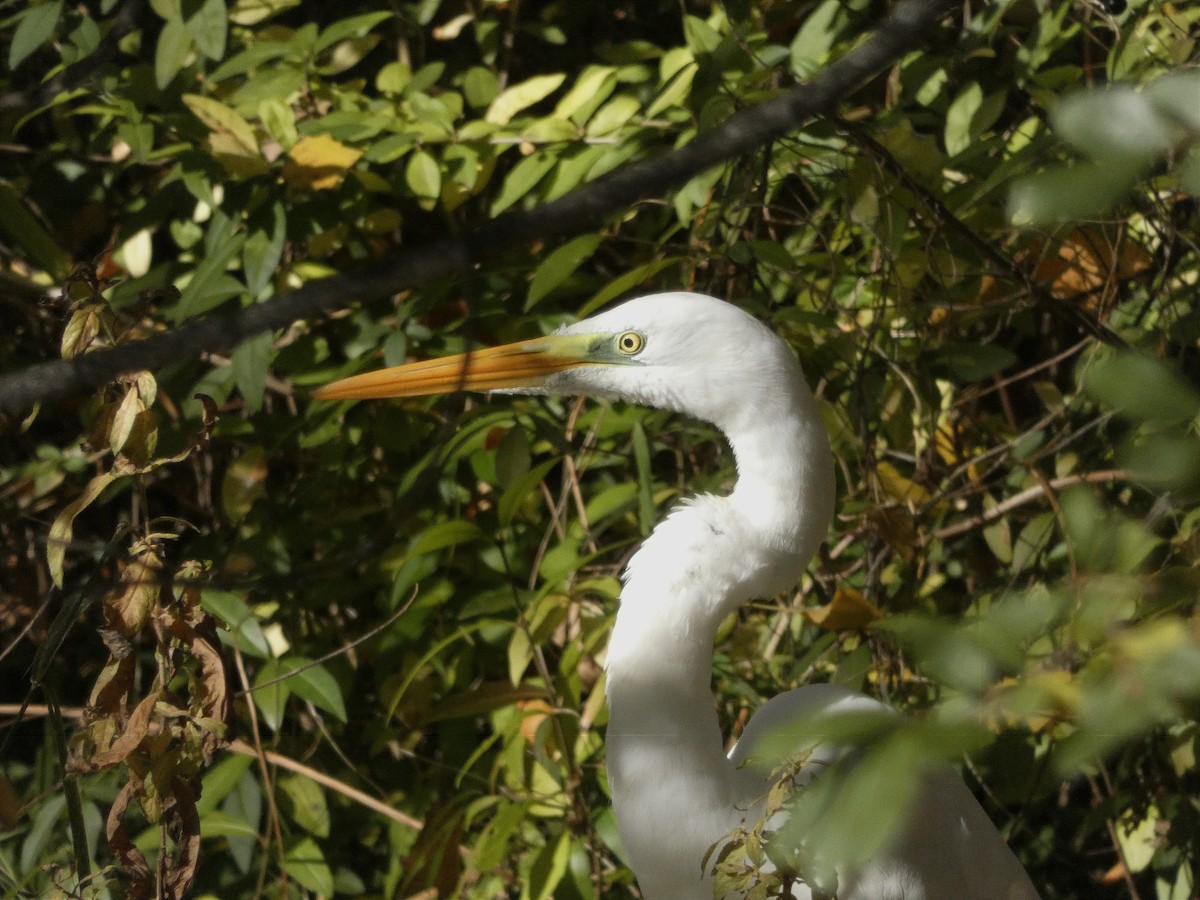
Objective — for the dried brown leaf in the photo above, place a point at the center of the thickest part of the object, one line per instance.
(130, 858)
(129, 739)
(181, 870)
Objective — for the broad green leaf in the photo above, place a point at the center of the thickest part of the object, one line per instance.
(443, 535)
(812, 43)
(27, 233)
(36, 26)
(306, 864)
(636, 277)
(221, 779)
(251, 361)
(271, 692)
(218, 823)
(207, 26)
(423, 175)
(1078, 192)
(1118, 122)
(210, 285)
(523, 178)
(676, 91)
(963, 107)
(1140, 387)
(308, 807)
(480, 86)
(549, 867)
(522, 96)
(591, 89)
(514, 496)
(171, 52)
(355, 26)
(559, 266)
(263, 250)
(317, 685)
(232, 610)
(612, 115)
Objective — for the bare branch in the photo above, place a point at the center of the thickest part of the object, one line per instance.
(907, 26)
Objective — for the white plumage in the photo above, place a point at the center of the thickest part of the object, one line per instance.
(675, 792)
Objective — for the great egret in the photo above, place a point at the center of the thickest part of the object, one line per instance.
(675, 791)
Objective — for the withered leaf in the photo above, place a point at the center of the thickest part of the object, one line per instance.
(127, 608)
(81, 330)
(131, 859)
(130, 738)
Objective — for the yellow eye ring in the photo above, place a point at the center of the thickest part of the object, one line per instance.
(630, 343)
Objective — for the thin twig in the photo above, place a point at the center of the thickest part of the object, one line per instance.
(1028, 495)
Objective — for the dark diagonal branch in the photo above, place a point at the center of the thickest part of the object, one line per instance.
(907, 26)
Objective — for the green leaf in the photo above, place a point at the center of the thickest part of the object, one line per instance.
(263, 252)
(641, 456)
(522, 96)
(1118, 122)
(591, 88)
(559, 266)
(209, 285)
(317, 685)
(208, 27)
(271, 695)
(423, 175)
(251, 361)
(959, 116)
(549, 867)
(355, 26)
(515, 494)
(171, 52)
(232, 610)
(1070, 194)
(814, 40)
(523, 178)
(1140, 387)
(218, 823)
(306, 864)
(35, 28)
(221, 780)
(635, 277)
(443, 535)
(27, 232)
(308, 807)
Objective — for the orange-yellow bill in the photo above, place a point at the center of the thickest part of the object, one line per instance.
(521, 365)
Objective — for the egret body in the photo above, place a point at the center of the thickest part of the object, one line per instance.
(675, 791)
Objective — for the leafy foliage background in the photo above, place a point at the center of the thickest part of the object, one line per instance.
(989, 276)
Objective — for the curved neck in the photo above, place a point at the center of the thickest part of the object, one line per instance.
(666, 756)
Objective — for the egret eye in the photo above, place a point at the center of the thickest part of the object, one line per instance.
(630, 343)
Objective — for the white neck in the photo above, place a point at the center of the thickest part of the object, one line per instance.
(666, 756)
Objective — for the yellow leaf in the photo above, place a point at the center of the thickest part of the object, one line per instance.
(81, 330)
(318, 163)
(849, 610)
(898, 487)
(123, 418)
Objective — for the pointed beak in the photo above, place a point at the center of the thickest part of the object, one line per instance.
(525, 364)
